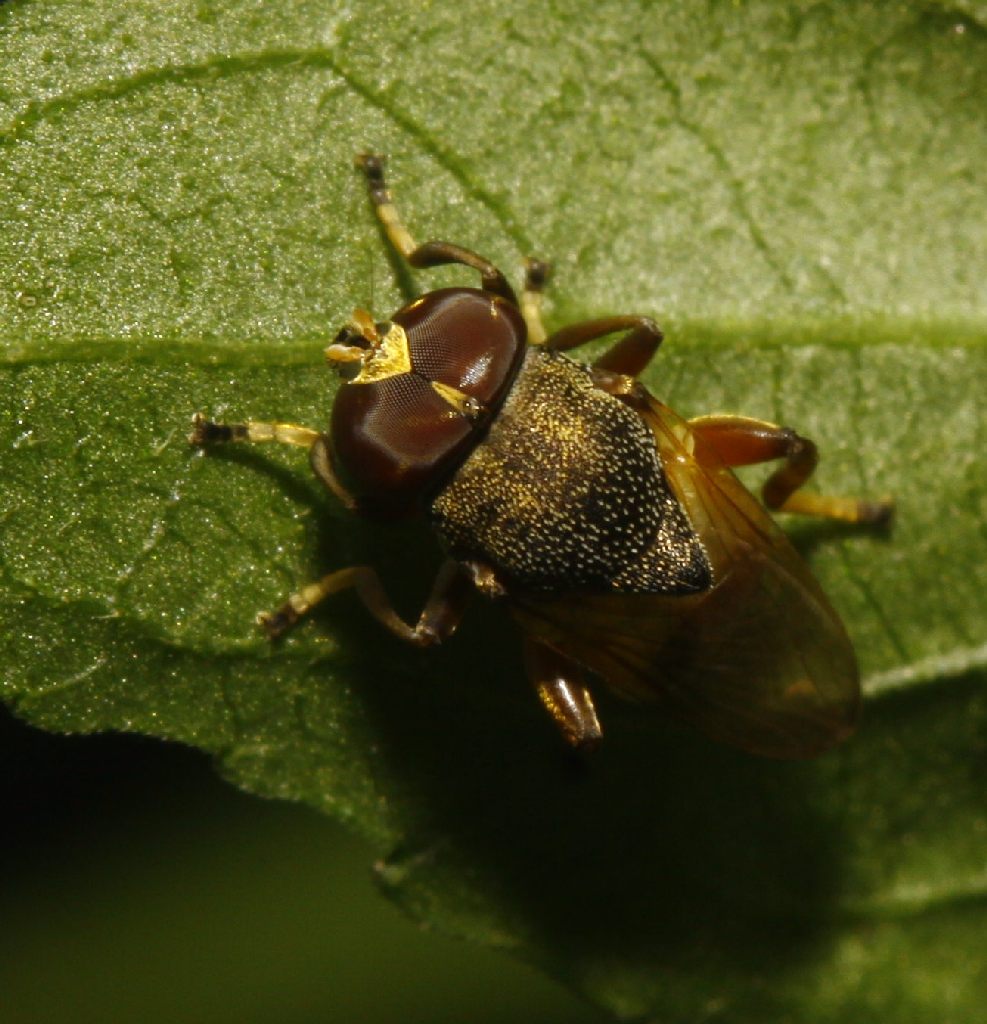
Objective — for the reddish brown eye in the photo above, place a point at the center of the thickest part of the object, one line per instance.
(465, 338)
(397, 439)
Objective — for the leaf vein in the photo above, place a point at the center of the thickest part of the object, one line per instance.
(933, 670)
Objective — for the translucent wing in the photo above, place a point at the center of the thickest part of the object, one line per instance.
(761, 661)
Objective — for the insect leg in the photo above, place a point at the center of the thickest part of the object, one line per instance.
(741, 441)
(535, 275)
(452, 587)
(628, 357)
(206, 432)
(430, 254)
(437, 621)
(559, 684)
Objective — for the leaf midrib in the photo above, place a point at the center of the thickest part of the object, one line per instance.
(839, 334)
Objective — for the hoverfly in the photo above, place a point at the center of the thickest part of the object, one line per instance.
(614, 529)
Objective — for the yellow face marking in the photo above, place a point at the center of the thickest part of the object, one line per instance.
(387, 359)
(464, 404)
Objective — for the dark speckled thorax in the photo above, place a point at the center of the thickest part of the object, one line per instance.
(567, 492)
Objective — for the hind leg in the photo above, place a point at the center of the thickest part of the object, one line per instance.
(742, 441)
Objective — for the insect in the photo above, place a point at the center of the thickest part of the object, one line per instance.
(615, 530)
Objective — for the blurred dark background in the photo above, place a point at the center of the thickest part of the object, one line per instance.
(137, 885)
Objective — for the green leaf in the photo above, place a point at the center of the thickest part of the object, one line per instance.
(796, 191)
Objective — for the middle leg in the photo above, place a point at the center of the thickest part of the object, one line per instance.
(437, 621)
(562, 690)
(627, 357)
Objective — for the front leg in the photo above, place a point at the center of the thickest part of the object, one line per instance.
(428, 254)
(453, 585)
(207, 432)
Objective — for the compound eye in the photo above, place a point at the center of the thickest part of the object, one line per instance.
(399, 436)
(466, 339)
